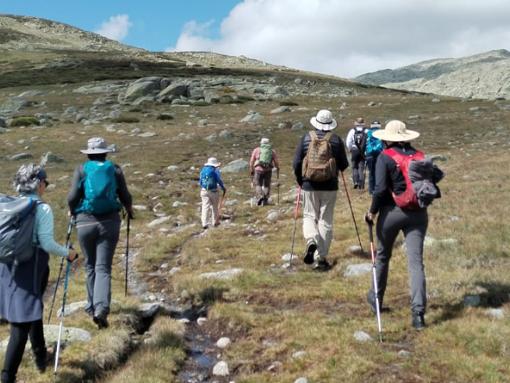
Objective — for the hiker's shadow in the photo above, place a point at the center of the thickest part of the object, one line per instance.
(491, 295)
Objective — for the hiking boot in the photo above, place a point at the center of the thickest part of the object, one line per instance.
(322, 265)
(260, 202)
(205, 227)
(311, 247)
(373, 305)
(101, 321)
(418, 321)
(41, 359)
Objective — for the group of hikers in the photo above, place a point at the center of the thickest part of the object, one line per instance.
(400, 192)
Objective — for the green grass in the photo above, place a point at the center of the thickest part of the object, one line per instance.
(269, 312)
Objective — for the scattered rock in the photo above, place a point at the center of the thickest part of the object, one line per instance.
(287, 257)
(297, 126)
(21, 156)
(414, 117)
(436, 100)
(147, 134)
(273, 216)
(223, 342)
(358, 270)
(72, 308)
(221, 369)
(236, 166)
(355, 250)
(158, 221)
(252, 117)
(49, 157)
(225, 134)
(372, 103)
(173, 168)
(299, 355)
(165, 116)
(281, 109)
(140, 207)
(201, 321)
(404, 354)
(275, 366)
(362, 336)
(179, 204)
(222, 275)
(202, 123)
(301, 380)
(474, 109)
(175, 90)
(496, 313)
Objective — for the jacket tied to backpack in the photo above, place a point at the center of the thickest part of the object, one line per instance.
(421, 177)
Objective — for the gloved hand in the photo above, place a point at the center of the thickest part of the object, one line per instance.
(369, 218)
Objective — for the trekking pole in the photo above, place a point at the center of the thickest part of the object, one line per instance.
(127, 257)
(278, 190)
(68, 239)
(62, 314)
(352, 212)
(296, 212)
(370, 224)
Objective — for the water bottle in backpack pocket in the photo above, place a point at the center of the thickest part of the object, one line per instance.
(100, 188)
(17, 219)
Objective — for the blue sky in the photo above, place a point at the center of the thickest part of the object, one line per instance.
(340, 37)
(156, 24)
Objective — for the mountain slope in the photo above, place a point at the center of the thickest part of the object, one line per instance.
(486, 75)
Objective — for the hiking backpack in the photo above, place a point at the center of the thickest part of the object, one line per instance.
(17, 218)
(359, 137)
(265, 156)
(373, 145)
(208, 178)
(100, 188)
(420, 176)
(319, 165)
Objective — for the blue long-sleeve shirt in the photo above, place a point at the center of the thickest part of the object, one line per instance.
(217, 176)
(43, 229)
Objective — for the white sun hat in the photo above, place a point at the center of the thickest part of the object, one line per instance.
(96, 145)
(212, 161)
(396, 131)
(323, 120)
(264, 141)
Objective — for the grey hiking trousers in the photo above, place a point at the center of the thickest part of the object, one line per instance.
(98, 237)
(413, 223)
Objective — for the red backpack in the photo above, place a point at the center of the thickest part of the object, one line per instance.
(408, 199)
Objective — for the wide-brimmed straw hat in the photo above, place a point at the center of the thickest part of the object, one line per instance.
(96, 145)
(323, 120)
(396, 131)
(212, 161)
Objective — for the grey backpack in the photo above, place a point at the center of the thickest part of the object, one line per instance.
(17, 218)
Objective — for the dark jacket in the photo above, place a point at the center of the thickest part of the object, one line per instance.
(77, 193)
(338, 149)
(388, 178)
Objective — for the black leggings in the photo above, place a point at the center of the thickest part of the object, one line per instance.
(16, 347)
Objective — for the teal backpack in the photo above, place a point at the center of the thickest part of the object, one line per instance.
(100, 188)
(373, 146)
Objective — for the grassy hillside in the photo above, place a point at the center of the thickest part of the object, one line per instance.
(269, 312)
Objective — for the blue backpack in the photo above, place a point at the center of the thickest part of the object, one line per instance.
(100, 188)
(373, 146)
(208, 178)
(17, 218)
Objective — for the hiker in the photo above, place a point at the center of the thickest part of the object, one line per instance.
(373, 146)
(98, 192)
(263, 160)
(319, 157)
(22, 286)
(355, 143)
(399, 212)
(210, 179)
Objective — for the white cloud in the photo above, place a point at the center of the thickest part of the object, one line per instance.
(116, 28)
(348, 38)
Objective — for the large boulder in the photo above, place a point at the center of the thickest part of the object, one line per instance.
(13, 105)
(175, 90)
(236, 166)
(142, 87)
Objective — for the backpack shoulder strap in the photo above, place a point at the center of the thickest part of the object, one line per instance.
(328, 136)
(313, 135)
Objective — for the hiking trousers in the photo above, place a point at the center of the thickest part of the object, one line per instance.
(210, 207)
(318, 209)
(98, 239)
(370, 164)
(262, 182)
(20, 332)
(358, 169)
(413, 223)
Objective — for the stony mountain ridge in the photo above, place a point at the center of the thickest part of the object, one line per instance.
(485, 75)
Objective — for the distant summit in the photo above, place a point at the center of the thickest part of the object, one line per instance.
(18, 33)
(485, 75)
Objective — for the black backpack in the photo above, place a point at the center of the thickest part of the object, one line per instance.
(359, 138)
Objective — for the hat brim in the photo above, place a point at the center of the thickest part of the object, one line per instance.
(214, 165)
(95, 151)
(325, 127)
(409, 135)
